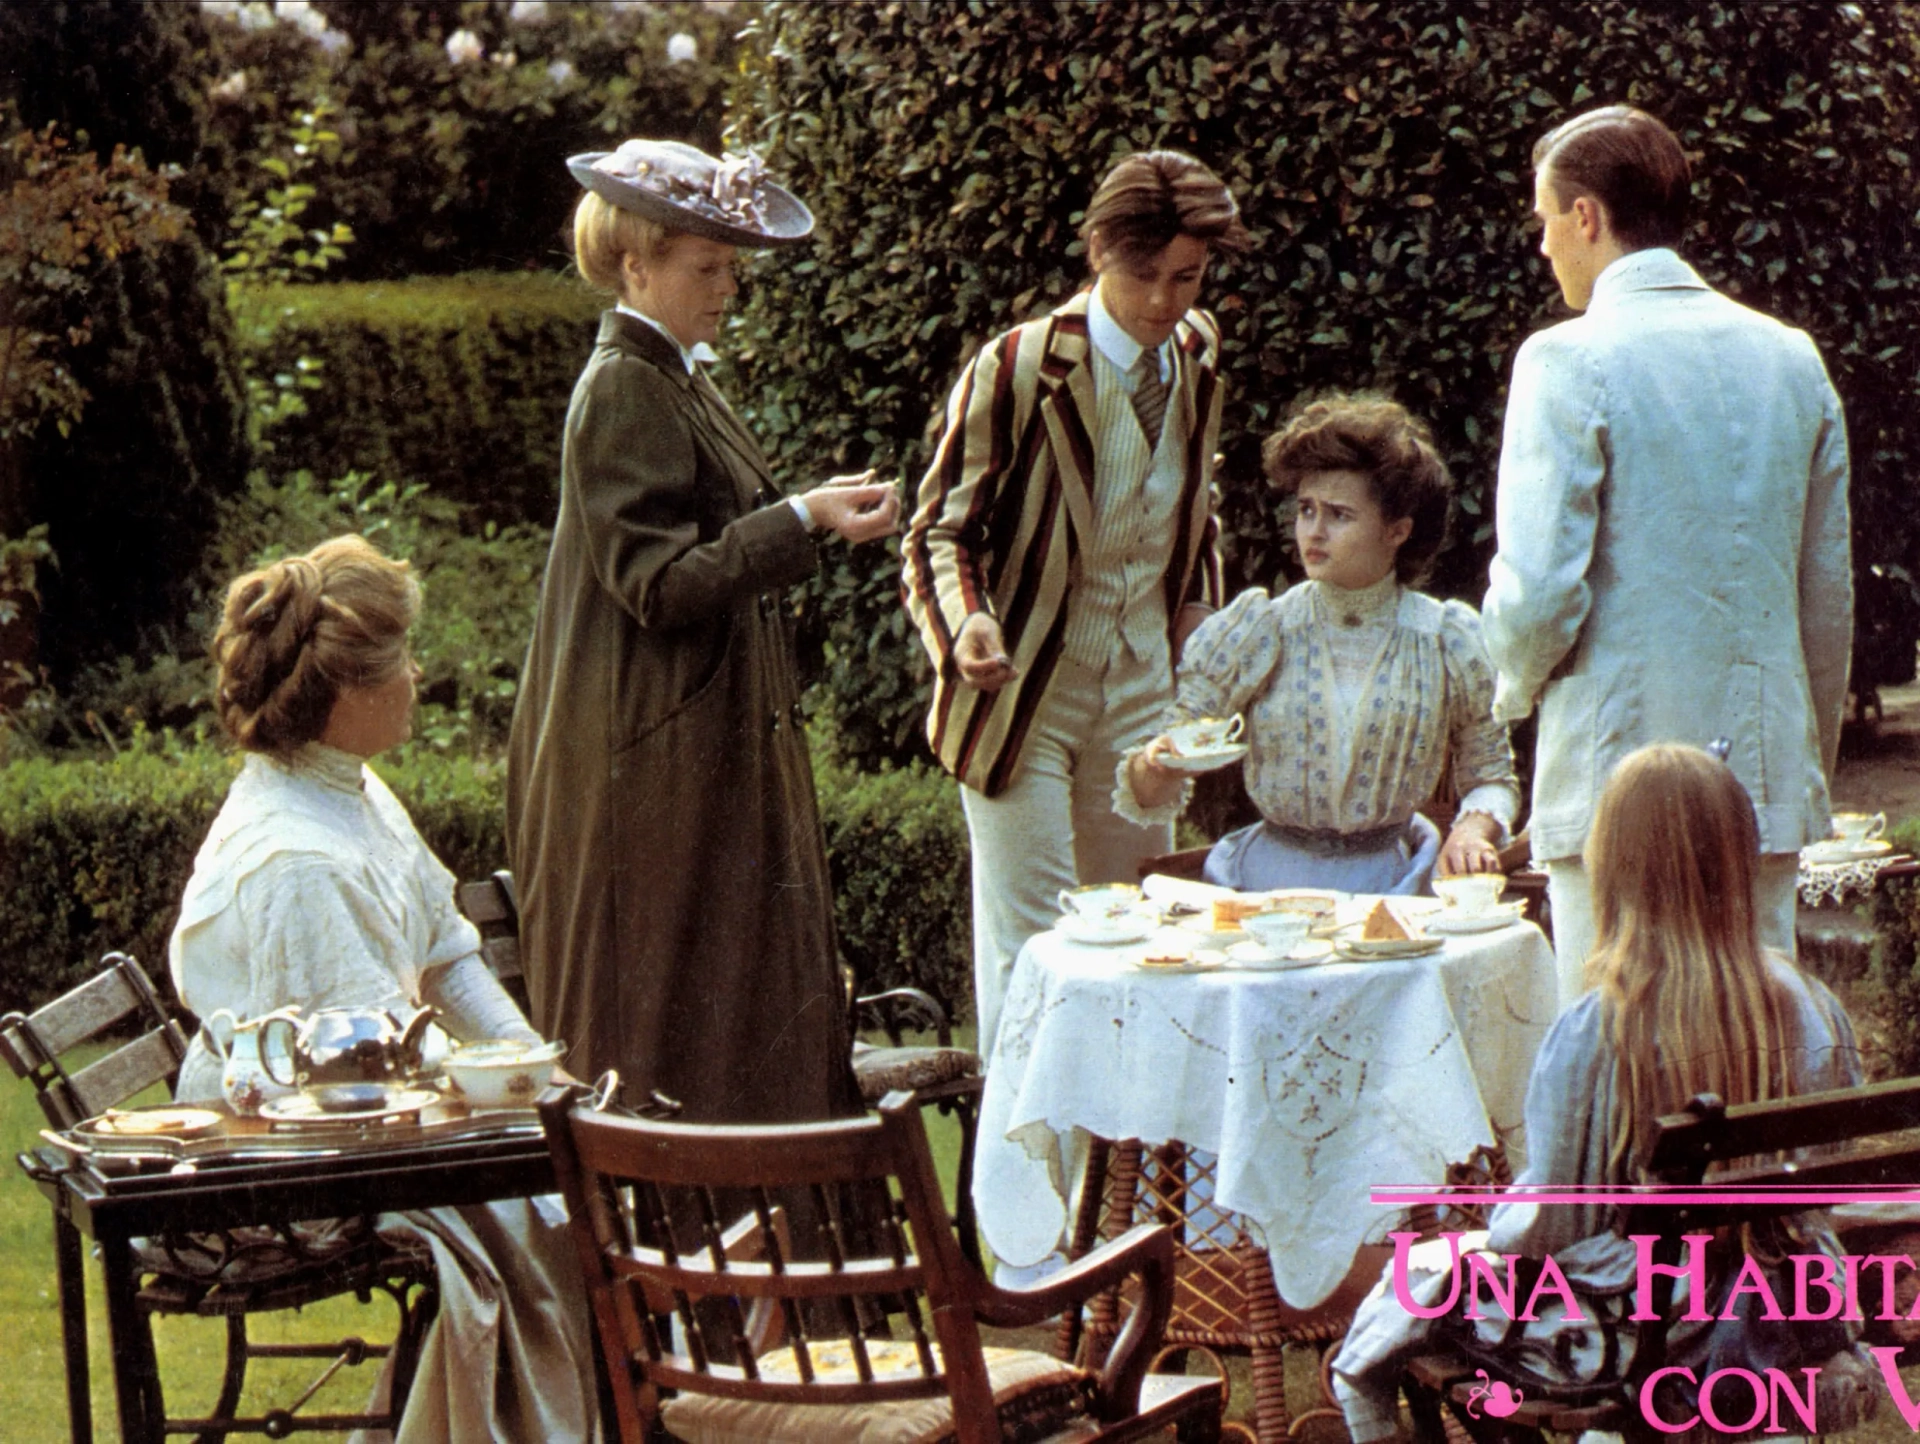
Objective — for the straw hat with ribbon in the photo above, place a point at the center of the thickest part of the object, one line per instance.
(731, 200)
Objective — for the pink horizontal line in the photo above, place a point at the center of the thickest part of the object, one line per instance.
(1773, 1194)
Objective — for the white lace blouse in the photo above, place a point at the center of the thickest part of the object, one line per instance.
(1356, 704)
(312, 888)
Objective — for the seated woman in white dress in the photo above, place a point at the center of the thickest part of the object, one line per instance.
(314, 890)
(1359, 693)
(1680, 1000)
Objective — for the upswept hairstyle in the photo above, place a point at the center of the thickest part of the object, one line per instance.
(603, 233)
(297, 631)
(1689, 1001)
(1627, 161)
(1154, 195)
(1392, 448)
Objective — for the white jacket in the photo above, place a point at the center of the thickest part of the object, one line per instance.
(1673, 559)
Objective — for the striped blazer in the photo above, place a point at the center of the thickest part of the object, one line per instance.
(1002, 510)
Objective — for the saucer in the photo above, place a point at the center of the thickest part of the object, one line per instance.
(1253, 958)
(1497, 916)
(166, 1122)
(1131, 928)
(1213, 757)
(1838, 849)
(1363, 950)
(1203, 960)
(304, 1110)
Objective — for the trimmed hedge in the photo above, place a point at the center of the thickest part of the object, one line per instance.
(458, 382)
(94, 855)
(1381, 154)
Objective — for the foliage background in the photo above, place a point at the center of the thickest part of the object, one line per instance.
(1381, 156)
(94, 854)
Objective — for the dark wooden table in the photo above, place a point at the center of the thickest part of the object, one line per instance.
(410, 1170)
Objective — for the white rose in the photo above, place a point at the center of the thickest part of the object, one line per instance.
(682, 47)
(464, 47)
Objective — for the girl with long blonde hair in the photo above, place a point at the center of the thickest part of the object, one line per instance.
(1682, 999)
(1690, 1002)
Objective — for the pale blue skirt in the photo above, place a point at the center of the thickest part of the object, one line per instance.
(1259, 858)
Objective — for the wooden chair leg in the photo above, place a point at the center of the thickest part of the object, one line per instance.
(1086, 1224)
(233, 1381)
(964, 1222)
(70, 1272)
(1272, 1419)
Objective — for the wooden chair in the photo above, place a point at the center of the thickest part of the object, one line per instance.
(213, 1275)
(645, 1202)
(945, 1078)
(493, 907)
(1858, 1136)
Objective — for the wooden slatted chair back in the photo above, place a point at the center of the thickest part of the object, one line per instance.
(865, 1217)
(491, 905)
(1792, 1147)
(120, 996)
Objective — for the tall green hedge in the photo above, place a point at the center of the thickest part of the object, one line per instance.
(1380, 153)
(94, 854)
(458, 382)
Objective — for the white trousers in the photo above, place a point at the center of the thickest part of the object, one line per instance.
(1570, 896)
(1055, 827)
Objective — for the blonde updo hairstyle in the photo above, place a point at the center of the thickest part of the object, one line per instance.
(603, 234)
(296, 632)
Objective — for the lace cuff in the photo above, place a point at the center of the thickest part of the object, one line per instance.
(1127, 806)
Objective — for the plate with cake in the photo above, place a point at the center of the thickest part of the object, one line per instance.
(1386, 933)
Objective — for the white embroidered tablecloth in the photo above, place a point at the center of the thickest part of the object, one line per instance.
(1310, 1085)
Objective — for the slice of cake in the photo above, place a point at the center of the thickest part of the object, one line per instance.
(1228, 911)
(1383, 925)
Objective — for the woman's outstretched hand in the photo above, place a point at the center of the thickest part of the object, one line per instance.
(1472, 846)
(855, 508)
(1154, 783)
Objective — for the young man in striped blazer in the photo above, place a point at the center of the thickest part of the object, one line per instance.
(1063, 547)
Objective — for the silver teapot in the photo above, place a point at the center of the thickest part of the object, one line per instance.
(345, 1045)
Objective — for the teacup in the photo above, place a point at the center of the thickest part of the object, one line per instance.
(1471, 892)
(1101, 902)
(1206, 734)
(1280, 931)
(1858, 827)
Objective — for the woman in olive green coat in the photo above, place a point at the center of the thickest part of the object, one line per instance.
(676, 918)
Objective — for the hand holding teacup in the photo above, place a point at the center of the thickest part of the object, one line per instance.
(1156, 782)
(1470, 893)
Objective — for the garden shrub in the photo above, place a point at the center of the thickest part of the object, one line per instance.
(897, 852)
(130, 493)
(457, 383)
(94, 855)
(1381, 154)
(456, 118)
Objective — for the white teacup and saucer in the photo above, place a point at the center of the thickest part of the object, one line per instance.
(1205, 743)
(1111, 912)
(1856, 838)
(1277, 938)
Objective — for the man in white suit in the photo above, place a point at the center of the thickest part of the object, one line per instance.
(1673, 559)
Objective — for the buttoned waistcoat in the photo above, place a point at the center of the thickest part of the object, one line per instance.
(1673, 560)
(1003, 511)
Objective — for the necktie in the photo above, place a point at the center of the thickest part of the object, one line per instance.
(1149, 396)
